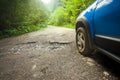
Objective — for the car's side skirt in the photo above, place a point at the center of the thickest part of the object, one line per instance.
(110, 44)
(117, 58)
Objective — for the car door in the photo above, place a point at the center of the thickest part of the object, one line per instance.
(107, 25)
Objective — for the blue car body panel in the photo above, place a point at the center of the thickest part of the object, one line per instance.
(107, 18)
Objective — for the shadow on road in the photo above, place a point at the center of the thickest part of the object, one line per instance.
(109, 64)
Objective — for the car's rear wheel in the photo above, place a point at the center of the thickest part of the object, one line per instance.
(82, 41)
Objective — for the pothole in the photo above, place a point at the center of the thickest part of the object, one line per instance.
(58, 45)
(33, 42)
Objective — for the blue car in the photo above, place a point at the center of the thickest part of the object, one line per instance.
(98, 27)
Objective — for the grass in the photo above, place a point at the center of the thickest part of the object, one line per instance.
(21, 30)
(69, 26)
(72, 26)
(66, 25)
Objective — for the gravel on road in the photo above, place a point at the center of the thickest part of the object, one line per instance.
(51, 54)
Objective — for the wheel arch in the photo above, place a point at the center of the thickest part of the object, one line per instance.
(82, 22)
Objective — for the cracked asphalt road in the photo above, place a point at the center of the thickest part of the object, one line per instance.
(51, 54)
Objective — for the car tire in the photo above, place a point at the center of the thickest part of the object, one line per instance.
(82, 41)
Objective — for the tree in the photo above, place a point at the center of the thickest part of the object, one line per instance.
(70, 10)
(15, 13)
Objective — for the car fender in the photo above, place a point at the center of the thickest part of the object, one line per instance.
(87, 18)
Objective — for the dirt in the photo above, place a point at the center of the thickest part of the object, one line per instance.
(51, 54)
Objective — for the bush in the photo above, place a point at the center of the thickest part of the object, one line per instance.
(21, 30)
(58, 17)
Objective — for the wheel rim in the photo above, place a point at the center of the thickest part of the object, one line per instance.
(81, 41)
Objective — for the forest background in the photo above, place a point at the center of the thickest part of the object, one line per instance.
(22, 16)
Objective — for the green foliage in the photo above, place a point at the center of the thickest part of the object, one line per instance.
(58, 17)
(21, 16)
(17, 13)
(67, 13)
(21, 30)
(69, 25)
